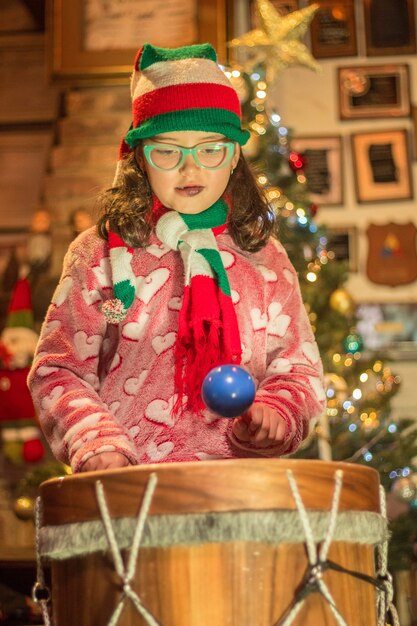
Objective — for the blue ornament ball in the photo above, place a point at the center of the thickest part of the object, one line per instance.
(228, 390)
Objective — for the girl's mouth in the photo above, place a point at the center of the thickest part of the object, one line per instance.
(189, 190)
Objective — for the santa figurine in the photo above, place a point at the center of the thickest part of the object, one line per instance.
(20, 437)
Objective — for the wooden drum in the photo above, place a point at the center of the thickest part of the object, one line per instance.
(223, 544)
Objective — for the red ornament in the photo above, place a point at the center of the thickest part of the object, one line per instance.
(296, 161)
(313, 209)
(33, 451)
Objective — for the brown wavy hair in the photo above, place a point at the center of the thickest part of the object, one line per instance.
(127, 208)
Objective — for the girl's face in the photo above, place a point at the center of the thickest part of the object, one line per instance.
(191, 188)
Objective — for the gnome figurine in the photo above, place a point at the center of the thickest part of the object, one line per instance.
(20, 436)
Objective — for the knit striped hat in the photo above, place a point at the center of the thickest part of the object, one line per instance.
(176, 89)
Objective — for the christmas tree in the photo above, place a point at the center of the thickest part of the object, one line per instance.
(358, 425)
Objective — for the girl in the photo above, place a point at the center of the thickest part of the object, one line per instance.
(183, 275)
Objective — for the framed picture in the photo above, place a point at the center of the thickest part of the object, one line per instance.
(389, 27)
(282, 6)
(381, 166)
(22, 151)
(374, 91)
(342, 241)
(323, 168)
(333, 29)
(95, 41)
(389, 327)
(22, 69)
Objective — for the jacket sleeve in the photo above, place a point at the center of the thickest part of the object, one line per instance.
(65, 375)
(293, 385)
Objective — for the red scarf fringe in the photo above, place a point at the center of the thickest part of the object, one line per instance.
(208, 336)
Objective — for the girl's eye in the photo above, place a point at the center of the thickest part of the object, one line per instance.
(162, 152)
(211, 150)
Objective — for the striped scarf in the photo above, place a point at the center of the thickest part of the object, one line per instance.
(208, 333)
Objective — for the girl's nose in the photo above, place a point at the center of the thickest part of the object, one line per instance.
(189, 164)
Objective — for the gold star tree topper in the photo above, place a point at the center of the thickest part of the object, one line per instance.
(277, 42)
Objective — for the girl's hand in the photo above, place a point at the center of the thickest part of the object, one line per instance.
(260, 425)
(105, 460)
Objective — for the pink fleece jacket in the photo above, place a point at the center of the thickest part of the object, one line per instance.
(99, 387)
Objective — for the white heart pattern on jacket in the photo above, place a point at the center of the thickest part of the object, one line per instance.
(279, 366)
(135, 330)
(148, 286)
(103, 272)
(175, 303)
(50, 327)
(62, 291)
(45, 370)
(289, 276)
(90, 297)
(317, 387)
(268, 274)
(259, 320)
(227, 258)
(157, 250)
(134, 431)
(157, 452)
(87, 346)
(278, 323)
(132, 385)
(48, 401)
(160, 411)
(91, 380)
(78, 403)
(235, 296)
(162, 343)
(246, 354)
(311, 351)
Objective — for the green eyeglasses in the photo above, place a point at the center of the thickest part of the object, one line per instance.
(209, 156)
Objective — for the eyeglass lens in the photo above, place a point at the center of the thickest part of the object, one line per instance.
(208, 155)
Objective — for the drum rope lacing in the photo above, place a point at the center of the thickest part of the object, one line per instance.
(127, 574)
(313, 579)
(40, 592)
(311, 583)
